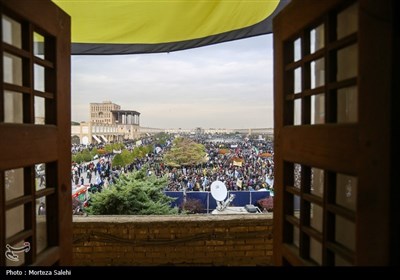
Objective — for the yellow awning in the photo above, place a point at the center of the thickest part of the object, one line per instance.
(141, 26)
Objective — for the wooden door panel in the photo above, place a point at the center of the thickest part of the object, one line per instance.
(35, 134)
(332, 121)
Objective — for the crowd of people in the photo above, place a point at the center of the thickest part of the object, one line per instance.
(241, 163)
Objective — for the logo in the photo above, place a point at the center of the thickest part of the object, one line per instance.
(11, 252)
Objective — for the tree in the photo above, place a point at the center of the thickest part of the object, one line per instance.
(94, 152)
(133, 194)
(118, 160)
(161, 138)
(83, 156)
(77, 158)
(115, 146)
(185, 152)
(127, 157)
(86, 155)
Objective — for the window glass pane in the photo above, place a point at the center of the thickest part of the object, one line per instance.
(41, 225)
(339, 261)
(347, 62)
(316, 251)
(347, 106)
(297, 175)
(296, 236)
(13, 107)
(317, 73)
(317, 38)
(317, 181)
(38, 45)
(39, 110)
(347, 21)
(297, 49)
(40, 176)
(345, 232)
(297, 112)
(346, 191)
(11, 31)
(39, 78)
(296, 206)
(15, 257)
(14, 183)
(14, 220)
(318, 109)
(316, 217)
(297, 80)
(12, 67)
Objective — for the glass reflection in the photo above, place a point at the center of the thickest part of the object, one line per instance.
(339, 261)
(13, 107)
(316, 217)
(14, 183)
(41, 225)
(345, 232)
(39, 110)
(317, 181)
(317, 38)
(346, 191)
(318, 109)
(296, 236)
(296, 206)
(14, 220)
(347, 21)
(317, 73)
(347, 105)
(297, 112)
(11, 31)
(316, 251)
(12, 69)
(297, 80)
(39, 78)
(347, 62)
(297, 49)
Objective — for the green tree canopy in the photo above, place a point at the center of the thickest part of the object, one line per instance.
(133, 194)
(161, 138)
(114, 146)
(118, 161)
(185, 152)
(83, 156)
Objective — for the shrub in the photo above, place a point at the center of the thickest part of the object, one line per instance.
(192, 206)
(266, 204)
(133, 194)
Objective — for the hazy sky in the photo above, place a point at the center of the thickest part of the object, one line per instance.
(228, 85)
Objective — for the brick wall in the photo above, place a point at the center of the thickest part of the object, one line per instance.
(229, 240)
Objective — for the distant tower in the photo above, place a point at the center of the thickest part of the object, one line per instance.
(101, 112)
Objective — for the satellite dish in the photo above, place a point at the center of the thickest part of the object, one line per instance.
(218, 191)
